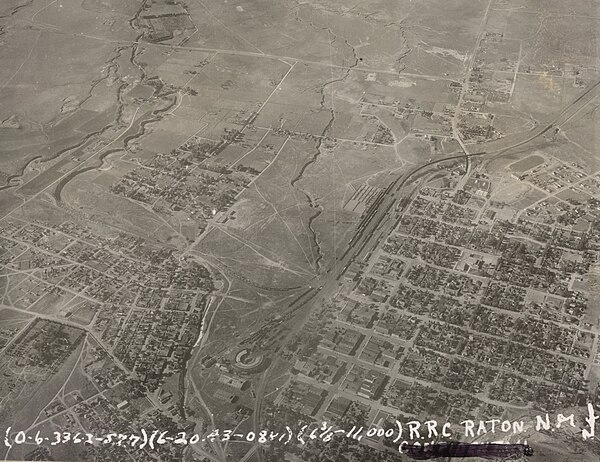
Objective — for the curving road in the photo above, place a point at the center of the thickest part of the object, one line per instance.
(380, 219)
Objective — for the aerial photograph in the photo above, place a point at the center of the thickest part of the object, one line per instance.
(299, 231)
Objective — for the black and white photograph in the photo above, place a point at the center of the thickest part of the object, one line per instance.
(299, 230)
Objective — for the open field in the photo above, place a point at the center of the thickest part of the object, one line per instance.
(390, 206)
(526, 164)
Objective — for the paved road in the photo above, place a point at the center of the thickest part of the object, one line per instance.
(382, 216)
